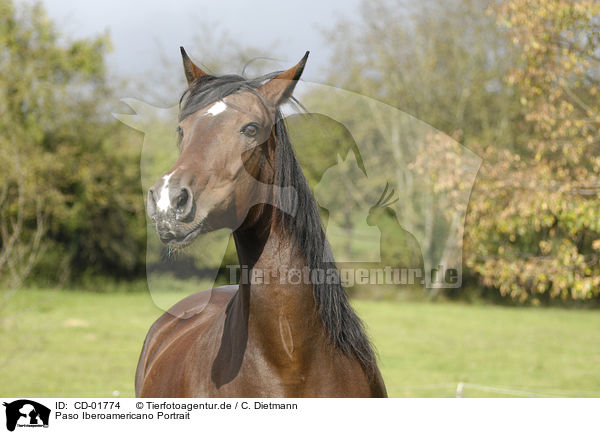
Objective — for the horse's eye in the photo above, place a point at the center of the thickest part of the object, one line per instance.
(250, 130)
(180, 131)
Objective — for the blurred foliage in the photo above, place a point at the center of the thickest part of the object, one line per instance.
(64, 160)
(518, 84)
(534, 229)
(442, 63)
(515, 81)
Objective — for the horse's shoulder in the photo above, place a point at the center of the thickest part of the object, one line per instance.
(192, 312)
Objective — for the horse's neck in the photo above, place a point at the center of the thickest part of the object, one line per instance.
(280, 304)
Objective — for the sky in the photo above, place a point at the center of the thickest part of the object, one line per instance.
(148, 33)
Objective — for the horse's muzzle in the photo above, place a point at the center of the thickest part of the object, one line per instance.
(171, 207)
(175, 201)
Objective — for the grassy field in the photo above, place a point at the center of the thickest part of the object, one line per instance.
(82, 344)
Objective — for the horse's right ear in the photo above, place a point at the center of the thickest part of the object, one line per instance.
(280, 87)
(192, 72)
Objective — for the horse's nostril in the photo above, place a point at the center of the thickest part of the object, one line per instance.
(183, 204)
(183, 198)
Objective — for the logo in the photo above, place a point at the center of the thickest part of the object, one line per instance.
(26, 413)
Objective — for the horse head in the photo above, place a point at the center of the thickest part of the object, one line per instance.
(227, 154)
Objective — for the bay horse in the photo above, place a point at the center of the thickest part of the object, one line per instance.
(268, 337)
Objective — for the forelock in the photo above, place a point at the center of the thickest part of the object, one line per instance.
(209, 89)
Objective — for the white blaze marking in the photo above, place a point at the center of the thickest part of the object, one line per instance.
(216, 108)
(163, 201)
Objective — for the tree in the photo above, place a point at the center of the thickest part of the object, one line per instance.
(70, 181)
(517, 83)
(443, 64)
(537, 230)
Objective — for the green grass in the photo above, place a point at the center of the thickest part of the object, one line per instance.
(84, 344)
(427, 349)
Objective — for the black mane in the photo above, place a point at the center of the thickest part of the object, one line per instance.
(339, 319)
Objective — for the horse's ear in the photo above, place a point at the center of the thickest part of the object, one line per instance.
(192, 72)
(280, 87)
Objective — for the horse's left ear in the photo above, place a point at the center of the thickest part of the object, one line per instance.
(192, 72)
(277, 90)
